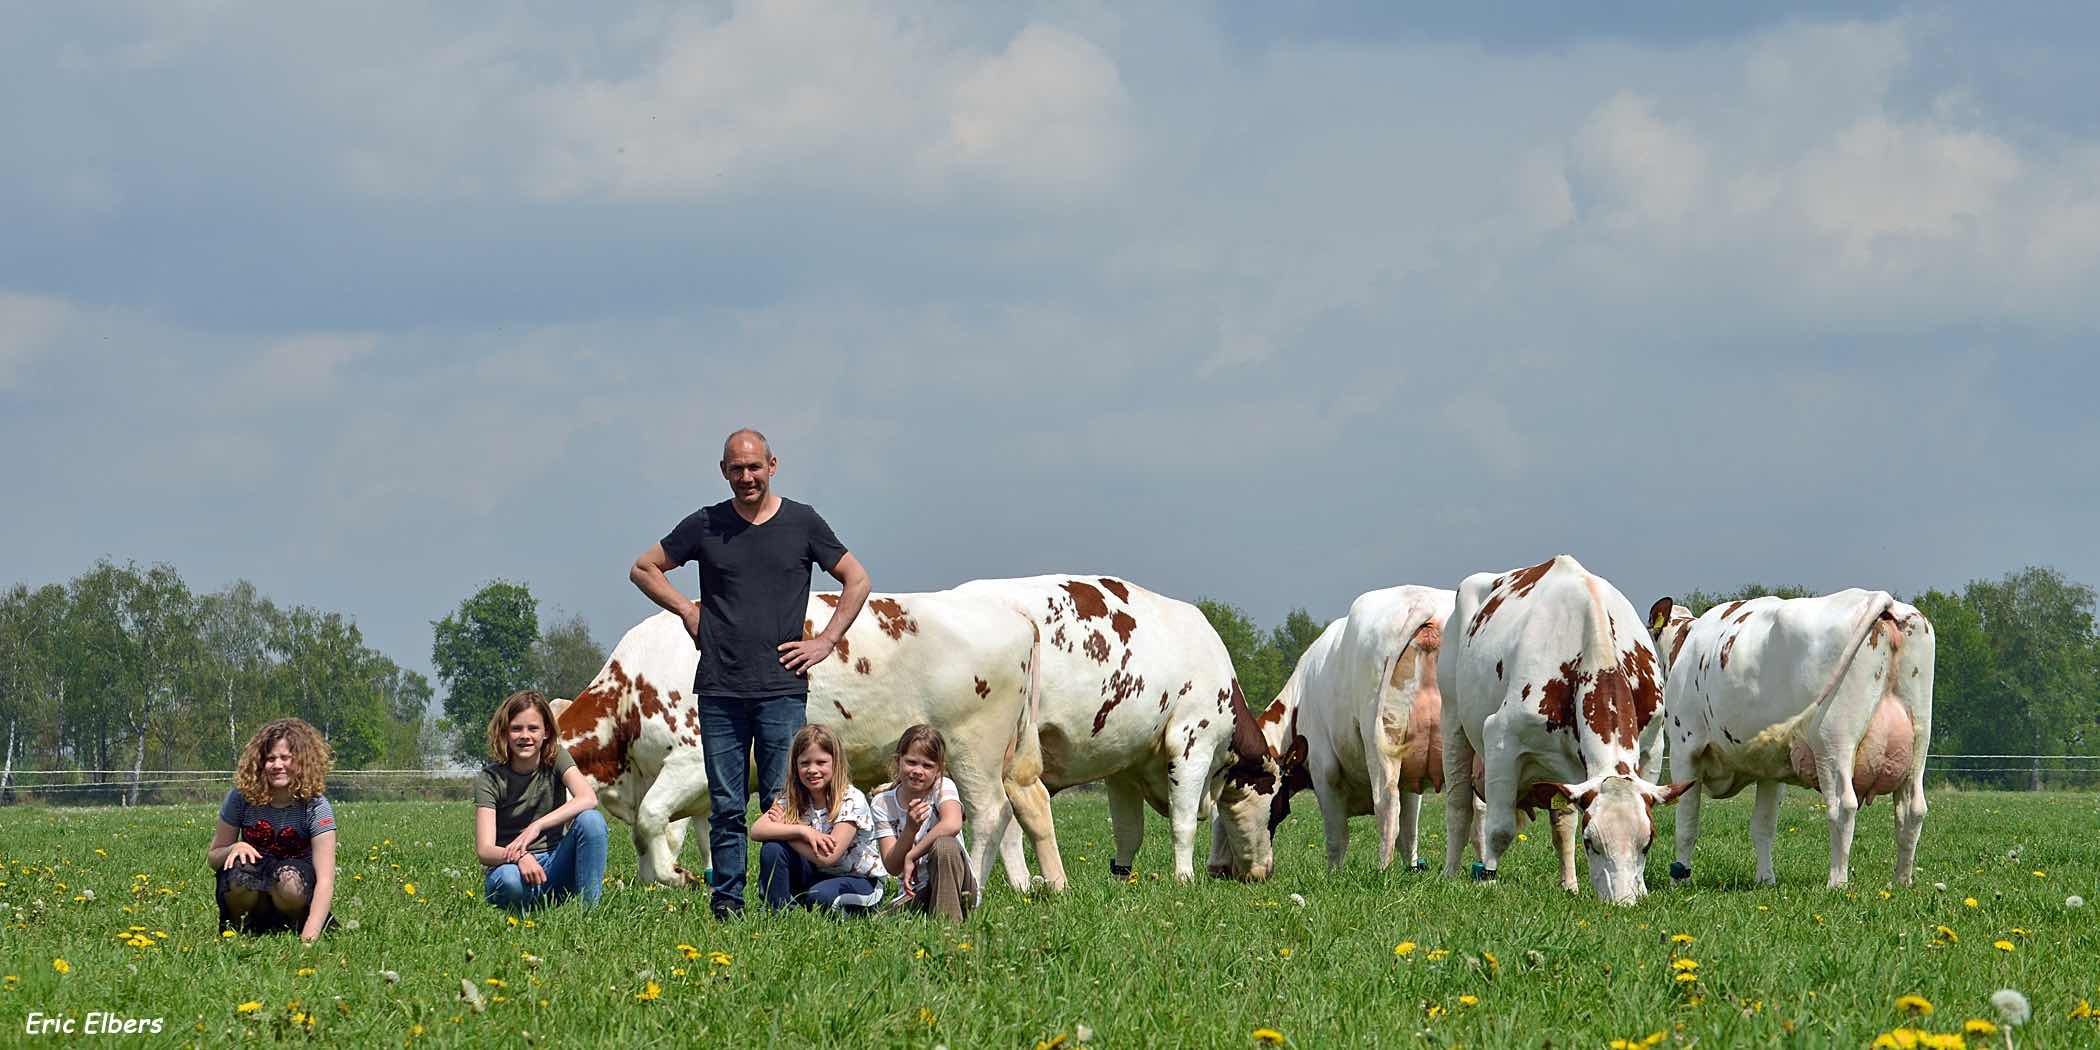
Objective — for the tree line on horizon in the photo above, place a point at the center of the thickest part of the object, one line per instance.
(124, 668)
(128, 668)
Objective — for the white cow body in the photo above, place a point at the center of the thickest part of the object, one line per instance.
(1137, 690)
(1362, 712)
(959, 663)
(1832, 693)
(1548, 676)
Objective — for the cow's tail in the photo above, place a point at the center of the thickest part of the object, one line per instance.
(1866, 621)
(1025, 760)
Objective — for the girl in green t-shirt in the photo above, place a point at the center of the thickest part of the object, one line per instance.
(536, 822)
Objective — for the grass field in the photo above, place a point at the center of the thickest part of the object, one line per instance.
(1149, 964)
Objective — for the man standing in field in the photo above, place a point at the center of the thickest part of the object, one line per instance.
(754, 551)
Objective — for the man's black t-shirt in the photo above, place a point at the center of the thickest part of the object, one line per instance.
(754, 593)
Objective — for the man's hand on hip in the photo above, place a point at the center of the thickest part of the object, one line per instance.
(691, 615)
(800, 656)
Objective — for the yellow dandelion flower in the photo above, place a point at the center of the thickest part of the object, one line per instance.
(2002, 945)
(1916, 1004)
(509, 919)
(1686, 978)
(724, 958)
(649, 991)
(678, 971)
(1653, 1038)
(10, 980)
(409, 888)
(61, 966)
(1684, 964)
(226, 934)
(689, 951)
(415, 1030)
(2037, 873)
(248, 1007)
(1268, 1036)
(1434, 1011)
(2083, 1010)
(1682, 938)
(1404, 948)
(1439, 954)
(962, 946)
(495, 982)
(304, 971)
(926, 1017)
(1979, 1026)
(1494, 964)
(918, 953)
(100, 852)
(1284, 952)
(161, 934)
(1968, 902)
(1946, 933)
(1469, 1000)
(2018, 931)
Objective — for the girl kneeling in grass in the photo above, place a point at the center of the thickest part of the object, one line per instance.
(820, 837)
(536, 822)
(918, 824)
(274, 849)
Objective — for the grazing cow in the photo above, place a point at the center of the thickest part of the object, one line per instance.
(1137, 691)
(1358, 721)
(962, 664)
(1549, 676)
(1832, 693)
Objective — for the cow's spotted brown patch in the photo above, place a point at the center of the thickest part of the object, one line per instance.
(1517, 584)
(829, 599)
(577, 726)
(1272, 714)
(891, 618)
(1116, 587)
(1122, 623)
(843, 713)
(1121, 686)
(844, 649)
(984, 688)
(1087, 602)
(1097, 647)
(861, 666)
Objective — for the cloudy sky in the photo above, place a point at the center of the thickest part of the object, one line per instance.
(373, 303)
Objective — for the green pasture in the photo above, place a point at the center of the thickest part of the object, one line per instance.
(119, 901)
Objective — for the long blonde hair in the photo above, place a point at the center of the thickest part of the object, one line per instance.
(818, 736)
(310, 760)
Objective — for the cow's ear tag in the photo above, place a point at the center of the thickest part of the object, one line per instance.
(1659, 614)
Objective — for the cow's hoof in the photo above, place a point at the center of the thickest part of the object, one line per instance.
(1482, 873)
(1680, 872)
(1220, 871)
(1420, 865)
(1121, 871)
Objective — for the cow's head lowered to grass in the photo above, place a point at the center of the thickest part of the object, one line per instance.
(1247, 797)
(1617, 827)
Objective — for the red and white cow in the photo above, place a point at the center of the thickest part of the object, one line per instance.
(1549, 676)
(960, 663)
(1358, 720)
(1137, 690)
(1832, 693)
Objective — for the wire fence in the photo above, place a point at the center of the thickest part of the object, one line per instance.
(101, 787)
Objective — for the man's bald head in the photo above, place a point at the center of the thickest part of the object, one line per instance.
(746, 436)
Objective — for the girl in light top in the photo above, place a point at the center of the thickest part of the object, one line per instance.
(536, 822)
(918, 825)
(274, 849)
(820, 837)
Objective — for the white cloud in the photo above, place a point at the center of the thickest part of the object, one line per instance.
(1639, 167)
(302, 366)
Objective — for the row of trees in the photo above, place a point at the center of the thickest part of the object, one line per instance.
(2017, 667)
(123, 669)
(128, 668)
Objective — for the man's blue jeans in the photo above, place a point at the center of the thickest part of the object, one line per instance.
(732, 728)
(575, 866)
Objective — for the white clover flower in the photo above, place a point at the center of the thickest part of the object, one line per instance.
(2074, 901)
(1082, 1033)
(2012, 1006)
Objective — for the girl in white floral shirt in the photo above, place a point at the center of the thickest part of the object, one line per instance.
(820, 837)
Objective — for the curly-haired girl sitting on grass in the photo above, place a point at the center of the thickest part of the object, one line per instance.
(274, 849)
